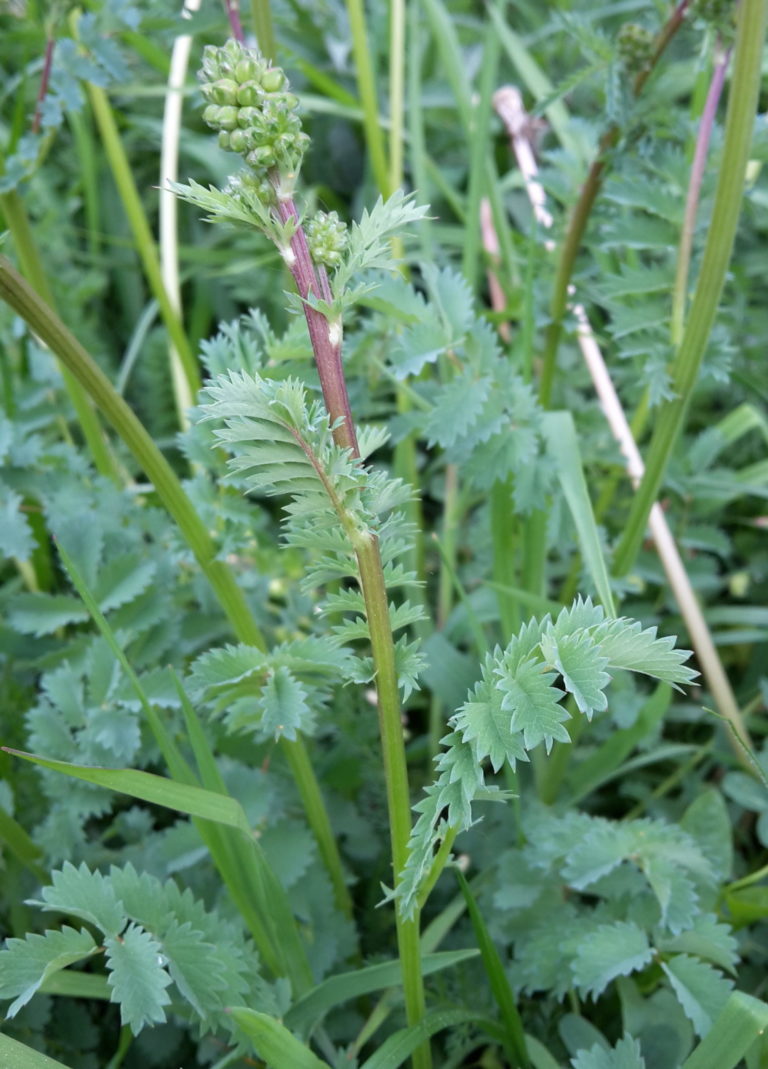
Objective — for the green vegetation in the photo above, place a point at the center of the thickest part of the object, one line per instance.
(382, 561)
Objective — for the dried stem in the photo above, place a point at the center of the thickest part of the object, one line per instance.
(509, 105)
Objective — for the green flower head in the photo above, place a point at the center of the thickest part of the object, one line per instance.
(249, 104)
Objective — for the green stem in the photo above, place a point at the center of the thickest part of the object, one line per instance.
(504, 531)
(18, 223)
(479, 136)
(449, 541)
(685, 249)
(742, 103)
(577, 224)
(326, 345)
(142, 234)
(44, 322)
(397, 54)
(581, 212)
(366, 88)
(261, 16)
(395, 774)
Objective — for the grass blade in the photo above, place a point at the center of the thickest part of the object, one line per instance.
(721, 234)
(146, 786)
(276, 1045)
(563, 445)
(742, 1020)
(15, 1055)
(15, 838)
(344, 987)
(514, 1037)
(394, 1051)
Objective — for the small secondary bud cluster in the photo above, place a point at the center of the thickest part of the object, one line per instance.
(635, 45)
(327, 238)
(249, 104)
(720, 14)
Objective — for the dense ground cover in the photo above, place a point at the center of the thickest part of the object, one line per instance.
(348, 711)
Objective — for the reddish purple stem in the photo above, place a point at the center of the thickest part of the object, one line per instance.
(50, 44)
(235, 25)
(702, 141)
(327, 352)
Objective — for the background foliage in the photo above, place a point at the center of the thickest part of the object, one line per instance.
(617, 899)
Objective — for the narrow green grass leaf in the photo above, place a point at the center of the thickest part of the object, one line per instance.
(366, 87)
(183, 797)
(739, 1024)
(16, 840)
(514, 1037)
(540, 1056)
(76, 985)
(344, 987)
(275, 1044)
(15, 1055)
(210, 776)
(563, 445)
(446, 38)
(398, 1047)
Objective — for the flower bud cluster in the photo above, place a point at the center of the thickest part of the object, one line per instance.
(635, 45)
(720, 14)
(327, 238)
(249, 104)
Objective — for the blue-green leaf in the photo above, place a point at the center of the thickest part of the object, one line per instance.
(137, 977)
(84, 894)
(26, 963)
(625, 1055)
(611, 950)
(701, 990)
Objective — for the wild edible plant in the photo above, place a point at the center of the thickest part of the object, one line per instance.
(641, 891)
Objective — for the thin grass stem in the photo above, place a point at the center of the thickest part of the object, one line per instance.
(145, 243)
(366, 88)
(168, 220)
(739, 121)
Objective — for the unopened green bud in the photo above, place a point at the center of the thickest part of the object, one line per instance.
(247, 117)
(327, 238)
(238, 141)
(227, 119)
(248, 94)
(224, 91)
(223, 139)
(211, 114)
(263, 156)
(273, 80)
(247, 70)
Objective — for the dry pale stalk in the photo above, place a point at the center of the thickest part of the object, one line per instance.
(509, 106)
